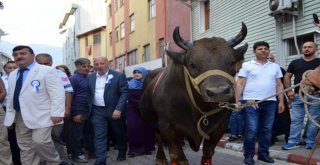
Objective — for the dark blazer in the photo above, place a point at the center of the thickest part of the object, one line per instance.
(115, 92)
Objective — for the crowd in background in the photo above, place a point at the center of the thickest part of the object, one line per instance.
(84, 112)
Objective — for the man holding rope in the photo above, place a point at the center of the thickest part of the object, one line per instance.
(297, 68)
(258, 79)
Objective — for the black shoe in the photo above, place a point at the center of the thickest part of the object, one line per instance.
(248, 161)
(66, 163)
(232, 138)
(133, 154)
(91, 155)
(121, 157)
(148, 153)
(266, 158)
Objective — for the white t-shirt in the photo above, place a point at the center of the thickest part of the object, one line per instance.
(260, 80)
(65, 81)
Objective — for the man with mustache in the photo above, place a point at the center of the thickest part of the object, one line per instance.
(36, 103)
(297, 68)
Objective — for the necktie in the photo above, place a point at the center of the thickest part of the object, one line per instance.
(16, 103)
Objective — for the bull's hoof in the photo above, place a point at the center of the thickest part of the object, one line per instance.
(161, 162)
(206, 161)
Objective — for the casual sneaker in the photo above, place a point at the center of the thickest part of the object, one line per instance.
(290, 146)
(309, 146)
(82, 158)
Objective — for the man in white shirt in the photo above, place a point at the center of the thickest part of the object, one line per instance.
(257, 80)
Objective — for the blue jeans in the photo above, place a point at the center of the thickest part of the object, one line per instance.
(236, 123)
(259, 122)
(297, 116)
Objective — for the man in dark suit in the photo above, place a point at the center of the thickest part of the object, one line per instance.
(107, 100)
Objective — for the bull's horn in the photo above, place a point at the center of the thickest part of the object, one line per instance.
(184, 44)
(240, 37)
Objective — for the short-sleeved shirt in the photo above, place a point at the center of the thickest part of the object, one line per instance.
(65, 81)
(260, 80)
(298, 66)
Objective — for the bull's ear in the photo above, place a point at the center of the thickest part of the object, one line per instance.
(176, 57)
(240, 52)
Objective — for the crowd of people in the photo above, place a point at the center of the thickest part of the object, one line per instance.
(46, 109)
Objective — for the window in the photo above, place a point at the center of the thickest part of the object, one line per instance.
(97, 38)
(204, 15)
(132, 23)
(146, 53)
(115, 5)
(122, 32)
(110, 38)
(110, 11)
(152, 9)
(117, 34)
(120, 62)
(86, 41)
(300, 41)
(132, 57)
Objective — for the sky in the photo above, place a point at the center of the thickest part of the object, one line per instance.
(32, 21)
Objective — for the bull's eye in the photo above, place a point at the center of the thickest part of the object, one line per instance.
(193, 69)
(192, 66)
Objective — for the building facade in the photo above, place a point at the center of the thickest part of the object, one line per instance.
(82, 28)
(138, 32)
(278, 27)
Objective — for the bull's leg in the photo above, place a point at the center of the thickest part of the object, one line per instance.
(177, 156)
(161, 157)
(208, 151)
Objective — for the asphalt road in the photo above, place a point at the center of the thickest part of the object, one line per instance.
(221, 157)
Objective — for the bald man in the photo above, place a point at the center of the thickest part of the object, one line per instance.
(108, 93)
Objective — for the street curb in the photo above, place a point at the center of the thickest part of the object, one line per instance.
(280, 155)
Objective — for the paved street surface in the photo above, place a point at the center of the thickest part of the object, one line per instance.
(221, 157)
(227, 154)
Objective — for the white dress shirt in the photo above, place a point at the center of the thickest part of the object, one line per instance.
(99, 90)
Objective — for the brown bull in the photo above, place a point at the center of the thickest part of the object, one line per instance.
(182, 100)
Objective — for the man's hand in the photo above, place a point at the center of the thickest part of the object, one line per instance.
(317, 24)
(313, 78)
(238, 105)
(290, 95)
(77, 118)
(56, 120)
(281, 107)
(116, 115)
